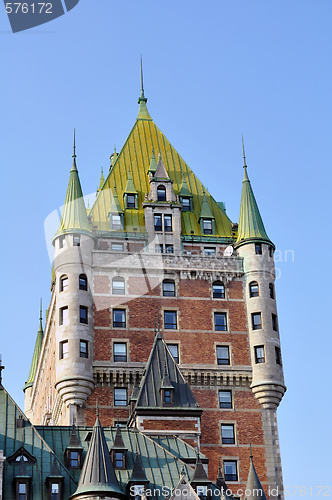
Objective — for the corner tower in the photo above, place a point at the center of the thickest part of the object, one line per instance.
(73, 245)
(257, 250)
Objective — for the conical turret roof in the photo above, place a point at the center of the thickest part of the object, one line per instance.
(138, 474)
(130, 188)
(253, 484)
(98, 474)
(200, 475)
(36, 352)
(116, 206)
(153, 164)
(184, 191)
(205, 209)
(161, 172)
(251, 227)
(118, 441)
(74, 218)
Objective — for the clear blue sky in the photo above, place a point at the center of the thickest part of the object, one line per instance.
(213, 70)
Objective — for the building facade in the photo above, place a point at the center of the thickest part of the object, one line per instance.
(163, 313)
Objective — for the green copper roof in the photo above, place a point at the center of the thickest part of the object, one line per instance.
(135, 155)
(97, 472)
(153, 163)
(74, 217)
(251, 227)
(161, 366)
(102, 180)
(184, 191)
(36, 352)
(116, 206)
(205, 209)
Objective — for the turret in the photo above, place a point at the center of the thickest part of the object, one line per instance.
(29, 383)
(73, 245)
(256, 248)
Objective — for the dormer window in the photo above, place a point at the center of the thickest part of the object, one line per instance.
(168, 396)
(55, 487)
(131, 201)
(116, 220)
(138, 490)
(207, 226)
(161, 193)
(186, 203)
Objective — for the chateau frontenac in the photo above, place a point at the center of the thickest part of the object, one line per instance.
(159, 363)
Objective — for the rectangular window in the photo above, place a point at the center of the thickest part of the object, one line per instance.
(22, 491)
(258, 248)
(116, 222)
(62, 242)
(55, 491)
(159, 248)
(227, 434)
(271, 290)
(230, 470)
(167, 396)
(169, 248)
(120, 397)
(118, 286)
(168, 223)
(119, 460)
(225, 399)
(63, 316)
(270, 252)
(117, 247)
(174, 349)
(274, 322)
(220, 321)
(158, 225)
(223, 355)
(73, 459)
(207, 226)
(64, 284)
(83, 315)
(120, 352)
(131, 201)
(259, 354)
(185, 204)
(119, 318)
(83, 282)
(76, 241)
(168, 288)
(63, 350)
(209, 251)
(84, 349)
(256, 321)
(218, 290)
(170, 322)
(278, 355)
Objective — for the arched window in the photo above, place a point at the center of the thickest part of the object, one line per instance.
(253, 289)
(118, 286)
(218, 290)
(169, 288)
(161, 193)
(271, 290)
(83, 282)
(63, 283)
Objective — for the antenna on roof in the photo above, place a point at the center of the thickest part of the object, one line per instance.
(244, 155)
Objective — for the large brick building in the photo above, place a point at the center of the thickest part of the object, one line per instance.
(163, 312)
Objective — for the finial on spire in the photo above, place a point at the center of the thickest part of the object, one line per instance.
(1, 368)
(74, 146)
(97, 409)
(251, 455)
(142, 87)
(41, 309)
(244, 155)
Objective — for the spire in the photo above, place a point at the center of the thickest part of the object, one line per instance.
(130, 188)
(36, 352)
(200, 475)
(102, 180)
(113, 157)
(98, 474)
(161, 172)
(74, 217)
(254, 486)
(184, 191)
(153, 164)
(143, 113)
(205, 209)
(251, 227)
(116, 206)
(118, 441)
(74, 442)
(221, 481)
(138, 474)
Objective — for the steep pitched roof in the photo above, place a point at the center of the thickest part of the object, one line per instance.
(74, 218)
(206, 212)
(251, 227)
(135, 155)
(253, 484)
(200, 475)
(138, 475)
(118, 441)
(98, 474)
(36, 352)
(150, 394)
